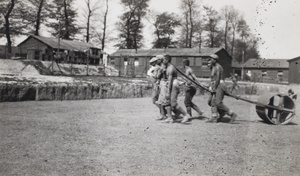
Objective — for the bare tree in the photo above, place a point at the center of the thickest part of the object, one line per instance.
(89, 13)
(190, 9)
(6, 10)
(96, 28)
(39, 11)
(65, 24)
(199, 29)
(225, 16)
(212, 27)
(104, 25)
(15, 18)
(38, 17)
(130, 24)
(234, 17)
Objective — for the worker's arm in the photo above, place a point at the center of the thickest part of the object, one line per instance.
(194, 77)
(170, 80)
(215, 78)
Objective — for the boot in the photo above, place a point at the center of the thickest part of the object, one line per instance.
(213, 119)
(168, 120)
(186, 118)
(233, 117)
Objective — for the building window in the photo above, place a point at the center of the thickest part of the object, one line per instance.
(136, 62)
(198, 61)
(97, 52)
(191, 59)
(205, 61)
(37, 55)
(112, 61)
(264, 73)
(94, 52)
(280, 75)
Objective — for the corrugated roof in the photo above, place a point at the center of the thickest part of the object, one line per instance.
(64, 44)
(266, 63)
(169, 51)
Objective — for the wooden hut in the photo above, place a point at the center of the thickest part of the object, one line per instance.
(294, 70)
(135, 63)
(60, 50)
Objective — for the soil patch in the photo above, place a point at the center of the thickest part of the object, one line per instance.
(121, 137)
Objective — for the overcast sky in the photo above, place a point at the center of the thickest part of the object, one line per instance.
(275, 21)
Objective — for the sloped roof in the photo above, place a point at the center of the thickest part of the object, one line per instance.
(169, 51)
(64, 44)
(293, 59)
(236, 64)
(266, 63)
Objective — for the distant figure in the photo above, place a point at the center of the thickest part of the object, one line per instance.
(292, 94)
(234, 78)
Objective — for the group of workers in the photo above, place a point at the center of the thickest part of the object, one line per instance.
(166, 88)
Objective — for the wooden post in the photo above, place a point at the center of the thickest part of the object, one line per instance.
(87, 62)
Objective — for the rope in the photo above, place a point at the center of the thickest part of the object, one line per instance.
(236, 97)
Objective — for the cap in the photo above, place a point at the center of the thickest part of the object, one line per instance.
(153, 59)
(160, 56)
(214, 56)
(235, 74)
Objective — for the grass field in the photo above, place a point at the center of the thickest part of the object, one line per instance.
(122, 137)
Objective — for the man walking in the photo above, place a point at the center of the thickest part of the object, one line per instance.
(190, 90)
(218, 89)
(155, 73)
(172, 91)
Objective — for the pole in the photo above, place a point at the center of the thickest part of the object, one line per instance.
(58, 47)
(87, 62)
(243, 58)
(5, 50)
(71, 56)
(237, 97)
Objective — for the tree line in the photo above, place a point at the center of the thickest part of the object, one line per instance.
(57, 17)
(196, 25)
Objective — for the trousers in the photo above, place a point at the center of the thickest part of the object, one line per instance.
(216, 100)
(190, 92)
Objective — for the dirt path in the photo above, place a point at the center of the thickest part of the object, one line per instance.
(121, 137)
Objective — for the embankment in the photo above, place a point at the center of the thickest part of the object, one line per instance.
(74, 90)
(13, 92)
(30, 80)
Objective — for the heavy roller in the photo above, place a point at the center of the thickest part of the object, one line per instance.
(271, 108)
(280, 109)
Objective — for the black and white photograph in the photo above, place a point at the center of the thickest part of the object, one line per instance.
(149, 87)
